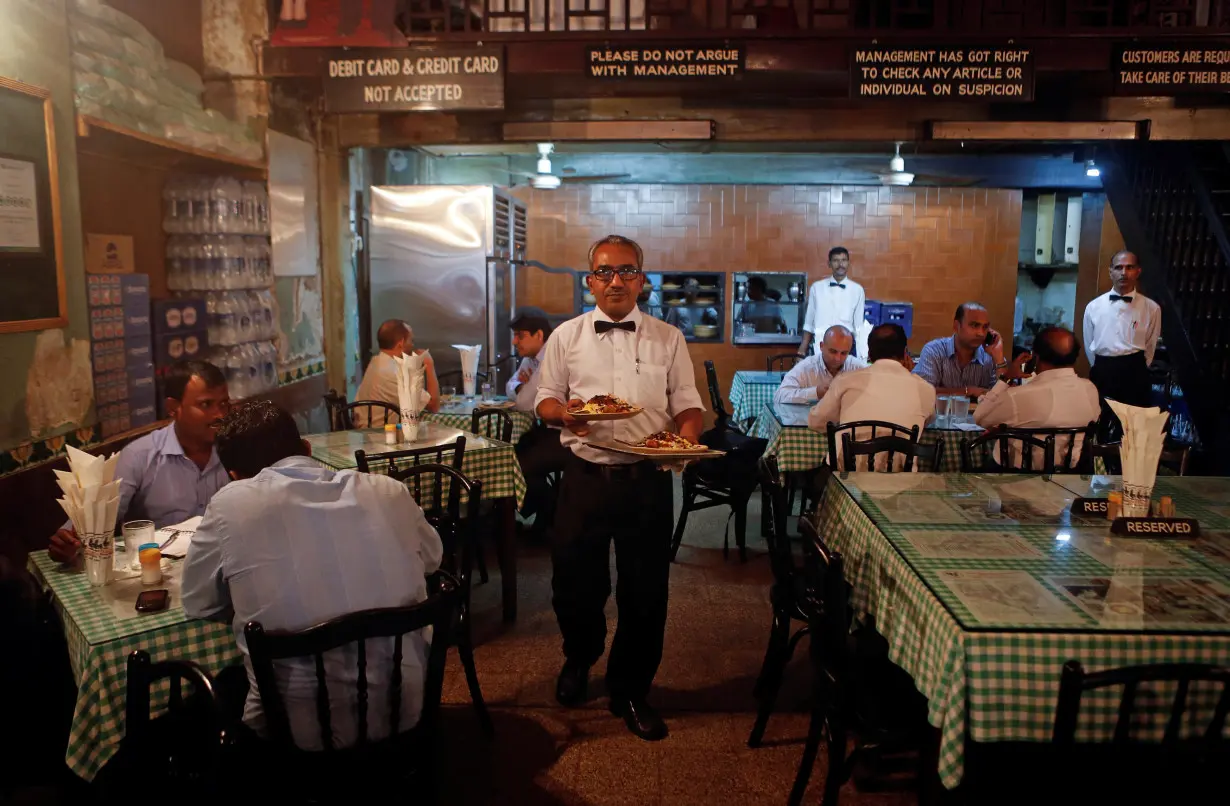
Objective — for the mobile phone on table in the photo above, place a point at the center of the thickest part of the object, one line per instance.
(153, 601)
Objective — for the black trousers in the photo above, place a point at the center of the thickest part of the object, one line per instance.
(635, 508)
(1124, 378)
(540, 453)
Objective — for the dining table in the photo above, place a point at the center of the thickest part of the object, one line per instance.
(984, 586)
(751, 391)
(101, 629)
(458, 411)
(798, 448)
(489, 460)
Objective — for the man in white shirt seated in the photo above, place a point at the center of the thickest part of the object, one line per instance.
(810, 379)
(1056, 397)
(395, 339)
(539, 450)
(885, 391)
(291, 544)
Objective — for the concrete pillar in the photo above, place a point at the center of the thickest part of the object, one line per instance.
(230, 33)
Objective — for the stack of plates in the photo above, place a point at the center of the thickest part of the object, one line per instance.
(704, 331)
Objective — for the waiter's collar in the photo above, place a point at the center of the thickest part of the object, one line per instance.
(635, 316)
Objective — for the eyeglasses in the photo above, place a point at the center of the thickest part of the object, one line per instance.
(605, 274)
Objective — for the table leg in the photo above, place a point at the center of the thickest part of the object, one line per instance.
(506, 551)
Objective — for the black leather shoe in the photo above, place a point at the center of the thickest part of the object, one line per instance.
(641, 719)
(571, 688)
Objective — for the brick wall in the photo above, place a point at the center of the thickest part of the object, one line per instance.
(935, 247)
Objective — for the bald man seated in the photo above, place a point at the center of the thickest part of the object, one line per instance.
(1056, 397)
(808, 381)
(395, 338)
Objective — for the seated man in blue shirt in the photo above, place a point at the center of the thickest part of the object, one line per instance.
(169, 475)
(291, 544)
(968, 362)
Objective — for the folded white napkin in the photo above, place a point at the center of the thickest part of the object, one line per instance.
(1144, 432)
(469, 365)
(91, 492)
(412, 395)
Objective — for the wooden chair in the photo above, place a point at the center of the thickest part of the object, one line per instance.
(789, 596)
(1068, 459)
(723, 416)
(492, 423)
(984, 454)
(928, 456)
(783, 362)
(333, 775)
(1174, 457)
(878, 428)
(183, 746)
(726, 481)
(836, 678)
(1127, 765)
(459, 533)
(341, 414)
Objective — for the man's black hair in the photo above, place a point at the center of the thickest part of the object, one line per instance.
(181, 372)
(255, 435)
(886, 341)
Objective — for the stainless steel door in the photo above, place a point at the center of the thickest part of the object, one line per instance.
(428, 254)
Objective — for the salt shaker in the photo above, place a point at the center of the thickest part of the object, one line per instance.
(390, 434)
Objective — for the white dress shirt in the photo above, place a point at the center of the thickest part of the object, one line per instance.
(1122, 328)
(801, 382)
(1057, 398)
(300, 544)
(379, 383)
(885, 391)
(523, 394)
(650, 368)
(829, 305)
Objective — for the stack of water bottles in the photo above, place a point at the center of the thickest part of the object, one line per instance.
(219, 250)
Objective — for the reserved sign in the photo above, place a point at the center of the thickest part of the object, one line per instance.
(1090, 506)
(1155, 527)
(1171, 69)
(665, 61)
(986, 73)
(414, 79)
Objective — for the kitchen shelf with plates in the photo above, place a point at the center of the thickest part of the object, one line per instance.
(775, 318)
(694, 302)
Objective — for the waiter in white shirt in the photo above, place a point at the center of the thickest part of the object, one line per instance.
(835, 300)
(1055, 398)
(1121, 329)
(615, 350)
(808, 381)
(886, 391)
(539, 450)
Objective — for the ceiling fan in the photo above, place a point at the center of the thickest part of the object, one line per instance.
(546, 179)
(898, 176)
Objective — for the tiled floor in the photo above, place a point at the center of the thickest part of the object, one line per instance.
(716, 632)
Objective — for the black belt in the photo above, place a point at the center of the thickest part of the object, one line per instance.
(630, 472)
(1113, 359)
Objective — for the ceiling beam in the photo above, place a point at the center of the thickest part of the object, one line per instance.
(1051, 130)
(560, 130)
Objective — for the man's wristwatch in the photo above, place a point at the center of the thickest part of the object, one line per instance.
(1001, 365)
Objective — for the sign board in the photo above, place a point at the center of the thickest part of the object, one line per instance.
(986, 73)
(1156, 527)
(1095, 507)
(414, 79)
(665, 61)
(1171, 69)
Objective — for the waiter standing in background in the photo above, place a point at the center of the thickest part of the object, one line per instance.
(1120, 332)
(835, 300)
(615, 350)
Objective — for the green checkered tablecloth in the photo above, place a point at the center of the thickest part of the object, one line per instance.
(798, 448)
(984, 586)
(458, 413)
(493, 462)
(99, 643)
(751, 391)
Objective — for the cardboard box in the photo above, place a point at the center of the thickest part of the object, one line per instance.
(109, 355)
(109, 254)
(178, 315)
(115, 418)
(141, 413)
(180, 346)
(122, 298)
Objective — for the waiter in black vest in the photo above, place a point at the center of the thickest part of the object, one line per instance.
(1121, 329)
(615, 350)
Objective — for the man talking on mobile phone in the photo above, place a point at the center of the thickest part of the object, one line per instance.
(967, 362)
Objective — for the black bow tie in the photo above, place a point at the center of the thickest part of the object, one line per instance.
(602, 327)
(1117, 298)
(836, 285)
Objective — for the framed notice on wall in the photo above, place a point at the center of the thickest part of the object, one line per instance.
(31, 253)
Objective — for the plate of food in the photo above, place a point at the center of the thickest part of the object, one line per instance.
(605, 407)
(661, 445)
(496, 404)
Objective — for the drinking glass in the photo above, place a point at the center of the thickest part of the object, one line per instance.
(99, 551)
(448, 391)
(486, 387)
(941, 411)
(136, 533)
(958, 410)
